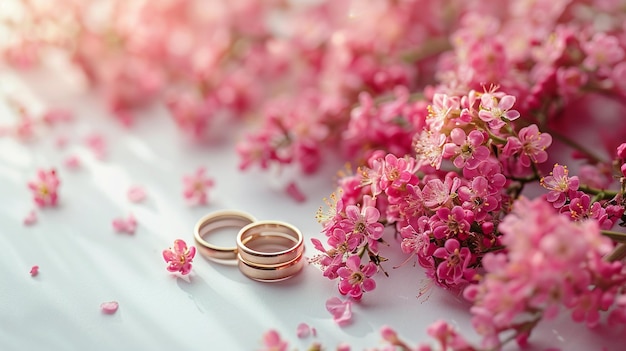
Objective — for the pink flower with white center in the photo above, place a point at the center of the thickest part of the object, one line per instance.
(467, 150)
(451, 223)
(531, 145)
(273, 342)
(602, 51)
(179, 257)
(454, 267)
(196, 187)
(428, 148)
(437, 194)
(354, 279)
(478, 198)
(364, 222)
(559, 184)
(45, 188)
(497, 112)
(443, 108)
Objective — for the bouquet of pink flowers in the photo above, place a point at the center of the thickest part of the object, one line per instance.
(488, 135)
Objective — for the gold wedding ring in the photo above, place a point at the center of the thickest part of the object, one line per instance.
(270, 250)
(218, 220)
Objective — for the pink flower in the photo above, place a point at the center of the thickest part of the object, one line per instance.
(196, 187)
(455, 263)
(437, 193)
(531, 145)
(364, 223)
(128, 225)
(443, 108)
(273, 342)
(451, 223)
(45, 188)
(31, 218)
(478, 198)
(109, 307)
(467, 150)
(396, 173)
(496, 112)
(179, 257)
(602, 51)
(341, 310)
(428, 147)
(354, 279)
(559, 184)
(34, 270)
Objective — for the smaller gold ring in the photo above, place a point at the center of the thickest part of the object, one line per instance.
(218, 220)
(269, 243)
(270, 273)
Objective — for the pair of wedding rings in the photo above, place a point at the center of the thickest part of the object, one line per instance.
(266, 251)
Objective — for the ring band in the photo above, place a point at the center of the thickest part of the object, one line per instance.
(268, 273)
(218, 220)
(269, 243)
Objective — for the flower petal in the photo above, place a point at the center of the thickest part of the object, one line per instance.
(341, 310)
(109, 307)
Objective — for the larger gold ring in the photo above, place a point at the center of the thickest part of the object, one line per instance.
(218, 220)
(269, 243)
(271, 273)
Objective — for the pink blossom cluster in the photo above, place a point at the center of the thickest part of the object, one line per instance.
(550, 263)
(446, 218)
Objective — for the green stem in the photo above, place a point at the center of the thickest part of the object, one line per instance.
(602, 194)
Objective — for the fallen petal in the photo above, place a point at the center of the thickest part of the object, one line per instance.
(109, 307)
(303, 330)
(34, 271)
(136, 194)
(294, 191)
(341, 310)
(31, 218)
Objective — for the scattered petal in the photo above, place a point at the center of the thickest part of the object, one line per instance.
(97, 144)
(31, 218)
(127, 225)
(109, 307)
(136, 194)
(303, 330)
(72, 162)
(294, 191)
(341, 310)
(61, 142)
(34, 270)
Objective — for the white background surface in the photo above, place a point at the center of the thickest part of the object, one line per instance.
(83, 262)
